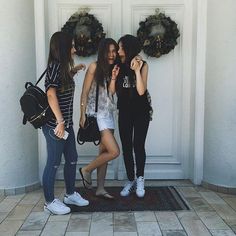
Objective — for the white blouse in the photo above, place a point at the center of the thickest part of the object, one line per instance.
(106, 104)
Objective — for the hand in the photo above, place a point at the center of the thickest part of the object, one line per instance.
(79, 67)
(136, 64)
(82, 120)
(60, 130)
(138, 58)
(115, 72)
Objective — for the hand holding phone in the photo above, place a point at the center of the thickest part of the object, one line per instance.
(66, 134)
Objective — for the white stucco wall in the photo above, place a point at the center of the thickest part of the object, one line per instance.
(220, 106)
(18, 146)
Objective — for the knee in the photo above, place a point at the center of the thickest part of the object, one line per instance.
(139, 149)
(127, 151)
(52, 166)
(115, 153)
(71, 162)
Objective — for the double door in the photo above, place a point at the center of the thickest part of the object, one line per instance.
(169, 82)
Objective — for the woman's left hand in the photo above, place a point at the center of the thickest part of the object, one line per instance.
(136, 64)
(80, 67)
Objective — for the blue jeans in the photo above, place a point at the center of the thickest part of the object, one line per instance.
(55, 148)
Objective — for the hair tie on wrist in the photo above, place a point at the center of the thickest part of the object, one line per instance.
(61, 121)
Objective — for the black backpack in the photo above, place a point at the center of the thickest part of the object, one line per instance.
(34, 105)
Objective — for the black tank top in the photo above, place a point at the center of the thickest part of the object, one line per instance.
(128, 97)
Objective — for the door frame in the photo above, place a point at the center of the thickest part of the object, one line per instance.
(198, 74)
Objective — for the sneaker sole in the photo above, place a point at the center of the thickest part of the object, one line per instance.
(55, 213)
(124, 195)
(73, 203)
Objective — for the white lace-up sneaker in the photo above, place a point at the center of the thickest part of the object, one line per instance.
(75, 199)
(140, 191)
(128, 188)
(56, 207)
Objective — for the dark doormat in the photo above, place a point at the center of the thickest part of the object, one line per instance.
(155, 199)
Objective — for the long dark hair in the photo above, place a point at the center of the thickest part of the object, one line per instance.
(131, 47)
(103, 69)
(60, 52)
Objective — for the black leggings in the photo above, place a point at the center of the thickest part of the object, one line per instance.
(133, 131)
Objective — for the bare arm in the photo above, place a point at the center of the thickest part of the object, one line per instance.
(77, 68)
(141, 75)
(89, 77)
(53, 103)
(115, 72)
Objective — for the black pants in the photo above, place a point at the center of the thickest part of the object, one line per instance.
(133, 129)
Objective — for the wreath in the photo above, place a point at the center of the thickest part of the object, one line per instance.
(158, 34)
(87, 32)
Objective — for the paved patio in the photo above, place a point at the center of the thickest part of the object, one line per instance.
(211, 213)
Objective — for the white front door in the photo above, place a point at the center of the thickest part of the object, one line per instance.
(169, 82)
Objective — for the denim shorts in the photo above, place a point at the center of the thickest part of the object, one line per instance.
(106, 122)
(56, 146)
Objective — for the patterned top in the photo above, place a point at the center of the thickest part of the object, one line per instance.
(65, 98)
(106, 103)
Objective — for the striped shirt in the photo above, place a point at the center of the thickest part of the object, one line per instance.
(65, 98)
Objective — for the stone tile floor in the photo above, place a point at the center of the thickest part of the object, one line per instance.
(211, 213)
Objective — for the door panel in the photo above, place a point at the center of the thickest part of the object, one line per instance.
(165, 144)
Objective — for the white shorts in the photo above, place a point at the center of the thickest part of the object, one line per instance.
(106, 122)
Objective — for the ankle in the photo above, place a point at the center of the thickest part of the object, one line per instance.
(100, 190)
(69, 194)
(86, 171)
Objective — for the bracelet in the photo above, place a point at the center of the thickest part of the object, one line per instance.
(60, 121)
(113, 79)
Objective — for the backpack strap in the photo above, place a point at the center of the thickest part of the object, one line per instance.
(24, 120)
(96, 109)
(41, 77)
(97, 93)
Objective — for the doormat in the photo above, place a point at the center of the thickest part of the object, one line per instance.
(155, 199)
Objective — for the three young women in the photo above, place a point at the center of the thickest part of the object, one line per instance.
(60, 86)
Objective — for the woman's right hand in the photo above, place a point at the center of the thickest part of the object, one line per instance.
(60, 130)
(82, 120)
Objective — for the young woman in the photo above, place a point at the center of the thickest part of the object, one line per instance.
(104, 73)
(60, 86)
(131, 88)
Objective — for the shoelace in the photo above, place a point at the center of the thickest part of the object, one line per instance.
(78, 195)
(56, 200)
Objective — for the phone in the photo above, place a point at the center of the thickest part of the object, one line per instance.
(66, 134)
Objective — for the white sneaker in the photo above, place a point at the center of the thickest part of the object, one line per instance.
(75, 199)
(56, 207)
(128, 188)
(140, 191)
